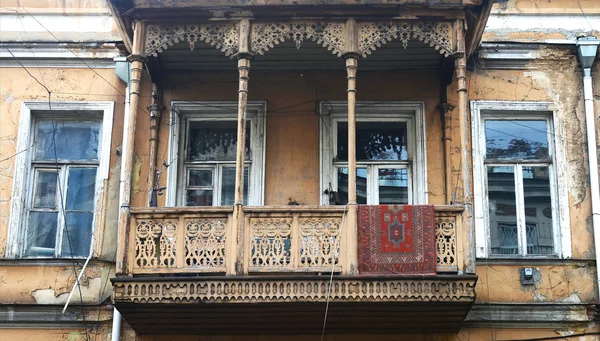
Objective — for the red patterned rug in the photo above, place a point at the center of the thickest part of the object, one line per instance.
(396, 239)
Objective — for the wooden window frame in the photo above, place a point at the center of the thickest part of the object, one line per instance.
(368, 111)
(181, 112)
(25, 169)
(519, 110)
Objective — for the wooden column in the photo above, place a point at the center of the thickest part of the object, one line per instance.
(445, 110)
(351, 55)
(465, 198)
(136, 60)
(243, 57)
(155, 110)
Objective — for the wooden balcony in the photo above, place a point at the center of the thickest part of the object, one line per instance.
(190, 264)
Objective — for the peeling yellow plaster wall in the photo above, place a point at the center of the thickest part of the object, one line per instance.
(66, 85)
(52, 284)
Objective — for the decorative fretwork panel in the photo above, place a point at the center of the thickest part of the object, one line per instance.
(205, 243)
(270, 243)
(372, 35)
(445, 235)
(155, 241)
(319, 242)
(265, 36)
(224, 36)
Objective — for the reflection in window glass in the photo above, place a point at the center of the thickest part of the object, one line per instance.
(200, 178)
(375, 141)
(81, 189)
(228, 186)
(361, 186)
(41, 234)
(393, 185)
(538, 210)
(70, 141)
(214, 141)
(516, 139)
(503, 210)
(45, 189)
(199, 197)
(77, 236)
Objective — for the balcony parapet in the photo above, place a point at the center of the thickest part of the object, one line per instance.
(273, 239)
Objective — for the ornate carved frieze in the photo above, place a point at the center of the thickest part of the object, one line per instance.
(231, 290)
(264, 36)
(224, 36)
(372, 35)
(331, 35)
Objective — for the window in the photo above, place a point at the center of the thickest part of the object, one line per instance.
(515, 177)
(58, 181)
(205, 141)
(389, 161)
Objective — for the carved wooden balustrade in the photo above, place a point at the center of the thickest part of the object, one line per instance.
(274, 239)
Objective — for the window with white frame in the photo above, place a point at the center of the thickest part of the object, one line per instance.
(59, 178)
(515, 180)
(206, 137)
(390, 153)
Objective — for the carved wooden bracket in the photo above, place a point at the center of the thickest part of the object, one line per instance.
(331, 35)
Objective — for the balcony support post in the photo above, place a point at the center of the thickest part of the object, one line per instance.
(468, 233)
(236, 237)
(136, 60)
(351, 55)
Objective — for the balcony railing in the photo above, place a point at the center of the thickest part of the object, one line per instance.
(280, 239)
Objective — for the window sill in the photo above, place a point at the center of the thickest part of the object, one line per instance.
(45, 261)
(555, 260)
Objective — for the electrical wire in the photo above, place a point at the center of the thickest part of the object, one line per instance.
(56, 165)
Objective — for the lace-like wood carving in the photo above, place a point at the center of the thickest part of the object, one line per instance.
(222, 35)
(232, 290)
(372, 35)
(270, 243)
(155, 241)
(205, 243)
(265, 36)
(319, 242)
(445, 239)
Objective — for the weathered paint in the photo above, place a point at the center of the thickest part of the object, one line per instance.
(205, 3)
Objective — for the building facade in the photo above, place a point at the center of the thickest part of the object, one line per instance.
(197, 170)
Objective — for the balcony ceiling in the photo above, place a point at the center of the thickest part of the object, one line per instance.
(294, 304)
(310, 57)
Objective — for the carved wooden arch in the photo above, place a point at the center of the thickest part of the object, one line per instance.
(160, 37)
(331, 35)
(438, 34)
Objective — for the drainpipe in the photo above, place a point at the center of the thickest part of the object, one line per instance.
(587, 48)
(122, 71)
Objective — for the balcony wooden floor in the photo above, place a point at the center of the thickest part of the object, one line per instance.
(294, 304)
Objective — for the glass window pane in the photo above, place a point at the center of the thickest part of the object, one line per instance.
(538, 210)
(41, 234)
(393, 186)
(228, 186)
(81, 188)
(200, 178)
(214, 141)
(503, 210)
(77, 236)
(374, 141)
(199, 197)
(45, 189)
(361, 186)
(516, 139)
(73, 140)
